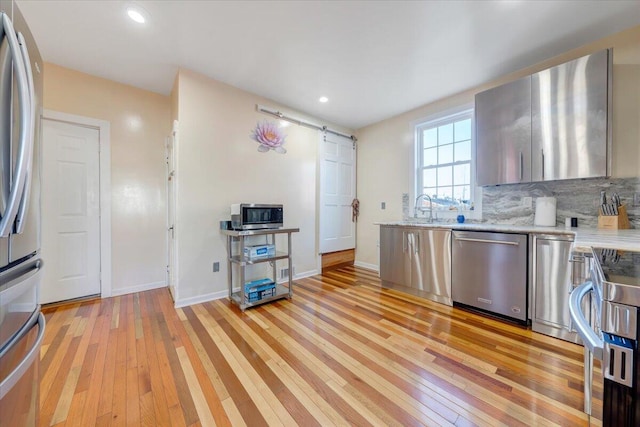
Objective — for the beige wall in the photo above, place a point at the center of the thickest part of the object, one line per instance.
(385, 148)
(140, 122)
(218, 164)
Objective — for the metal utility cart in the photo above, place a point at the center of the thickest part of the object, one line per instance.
(240, 261)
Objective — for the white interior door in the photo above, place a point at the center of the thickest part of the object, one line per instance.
(70, 211)
(171, 211)
(337, 191)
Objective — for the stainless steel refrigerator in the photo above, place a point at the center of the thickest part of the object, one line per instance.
(21, 323)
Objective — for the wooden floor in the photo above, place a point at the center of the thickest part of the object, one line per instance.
(341, 352)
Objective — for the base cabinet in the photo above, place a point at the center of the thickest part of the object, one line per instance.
(556, 272)
(417, 260)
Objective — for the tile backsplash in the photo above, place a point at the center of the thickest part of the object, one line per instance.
(578, 198)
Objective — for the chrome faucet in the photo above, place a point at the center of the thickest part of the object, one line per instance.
(417, 207)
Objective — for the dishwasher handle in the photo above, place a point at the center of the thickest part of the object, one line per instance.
(497, 242)
(591, 340)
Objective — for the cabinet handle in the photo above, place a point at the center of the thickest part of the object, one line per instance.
(542, 153)
(521, 166)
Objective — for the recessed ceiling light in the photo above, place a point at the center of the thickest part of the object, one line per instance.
(323, 99)
(137, 14)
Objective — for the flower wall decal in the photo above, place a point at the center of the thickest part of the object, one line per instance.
(269, 136)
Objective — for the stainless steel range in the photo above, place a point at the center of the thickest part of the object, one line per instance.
(611, 335)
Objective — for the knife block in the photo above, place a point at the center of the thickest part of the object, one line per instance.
(614, 222)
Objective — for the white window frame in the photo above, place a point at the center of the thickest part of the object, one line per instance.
(449, 116)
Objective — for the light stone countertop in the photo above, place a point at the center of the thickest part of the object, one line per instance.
(584, 240)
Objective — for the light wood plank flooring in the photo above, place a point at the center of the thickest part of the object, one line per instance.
(343, 351)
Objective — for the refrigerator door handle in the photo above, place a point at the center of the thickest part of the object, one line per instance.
(19, 282)
(19, 174)
(7, 384)
(24, 203)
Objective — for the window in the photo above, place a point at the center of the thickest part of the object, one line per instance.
(444, 151)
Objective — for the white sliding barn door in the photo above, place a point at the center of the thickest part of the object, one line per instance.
(337, 191)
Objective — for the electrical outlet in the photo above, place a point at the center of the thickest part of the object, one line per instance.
(284, 272)
(527, 202)
(216, 267)
(383, 205)
(636, 199)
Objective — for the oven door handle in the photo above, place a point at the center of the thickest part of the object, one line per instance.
(591, 340)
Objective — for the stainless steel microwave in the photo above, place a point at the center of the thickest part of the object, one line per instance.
(252, 216)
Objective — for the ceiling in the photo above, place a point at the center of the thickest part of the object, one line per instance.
(372, 59)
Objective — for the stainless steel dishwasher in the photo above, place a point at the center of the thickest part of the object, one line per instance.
(489, 272)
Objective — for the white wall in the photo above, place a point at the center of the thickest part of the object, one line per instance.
(218, 164)
(385, 148)
(139, 122)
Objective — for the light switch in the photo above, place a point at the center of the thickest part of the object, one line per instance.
(383, 205)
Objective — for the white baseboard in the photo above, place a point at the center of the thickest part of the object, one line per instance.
(137, 288)
(306, 274)
(300, 276)
(367, 266)
(183, 302)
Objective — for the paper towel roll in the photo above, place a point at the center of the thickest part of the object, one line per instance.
(545, 212)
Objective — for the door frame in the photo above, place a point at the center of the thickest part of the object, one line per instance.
(172, 256)
(104, 129)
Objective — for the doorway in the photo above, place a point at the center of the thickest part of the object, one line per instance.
(75, 249)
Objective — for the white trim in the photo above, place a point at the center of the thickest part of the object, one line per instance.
(175, 132)
(318, 201)
(435, 120)
(305, 274)
(367, 266)
(297, 276)
(138, 288)
(104, 130)
(179, 303)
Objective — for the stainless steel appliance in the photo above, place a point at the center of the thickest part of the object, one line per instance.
(417, 260)
(253, 216)
(490, 272)
(611, 336)
(556, 272)
(21, 323)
